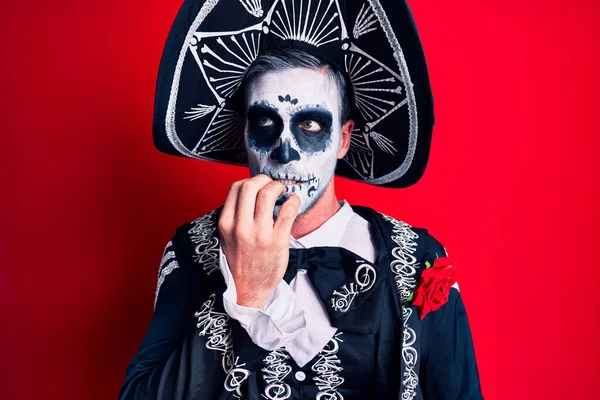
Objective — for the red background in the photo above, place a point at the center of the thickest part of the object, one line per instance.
(88, 203)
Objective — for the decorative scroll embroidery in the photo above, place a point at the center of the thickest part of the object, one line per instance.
(207, 246)
(410, 356)
(167, 265)
(274, 374)
(327, 368)
(364, 279)
(213, 325)
(404, 267)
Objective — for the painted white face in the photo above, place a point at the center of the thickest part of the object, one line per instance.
(293, 131)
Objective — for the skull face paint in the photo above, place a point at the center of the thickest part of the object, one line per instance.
(293, 131)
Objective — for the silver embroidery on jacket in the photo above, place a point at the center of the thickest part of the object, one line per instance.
(207, 246)
(364, 279)
(213, 325)
(404, 267)
(274, 373)
(167, 265)
(327, 367)
(410, 356)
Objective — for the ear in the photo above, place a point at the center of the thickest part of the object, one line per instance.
(345, 138)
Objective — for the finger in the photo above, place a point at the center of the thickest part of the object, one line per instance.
(265, 203)
(287, 215)
(228, 212)
(244, 213)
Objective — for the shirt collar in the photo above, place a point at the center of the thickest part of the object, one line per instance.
(330, 233)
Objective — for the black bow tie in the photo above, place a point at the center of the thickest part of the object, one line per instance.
(350, 288)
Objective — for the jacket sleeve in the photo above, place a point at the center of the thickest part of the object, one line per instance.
(147, 375)
(448, 369)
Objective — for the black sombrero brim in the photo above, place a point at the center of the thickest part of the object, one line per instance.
(212, 43)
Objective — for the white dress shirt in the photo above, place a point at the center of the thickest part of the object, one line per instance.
(294, 316)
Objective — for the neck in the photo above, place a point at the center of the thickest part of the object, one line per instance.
(323, 209)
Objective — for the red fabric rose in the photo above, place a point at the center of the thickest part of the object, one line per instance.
(434, 286)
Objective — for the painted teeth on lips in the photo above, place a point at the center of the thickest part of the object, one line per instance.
(290, 182)
(285, 180)
(293, 181)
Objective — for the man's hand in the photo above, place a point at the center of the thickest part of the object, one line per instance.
(256, 245)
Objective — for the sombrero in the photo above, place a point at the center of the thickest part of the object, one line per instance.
(374, 42)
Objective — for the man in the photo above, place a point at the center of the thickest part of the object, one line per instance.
(286, 292)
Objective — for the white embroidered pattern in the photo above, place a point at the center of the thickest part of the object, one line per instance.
(410, 96)
(224, 57)
(224, 131)
(207, 7)
(364, 21)
(167, 265)
(378, 94)
(207, 246)
(404, 267)
(316, 27)
(327, 367)
(253, 7)
(199, 111)
(383, 143)
(274, 374)
(410, 380)
(213, 325)
(364, 279)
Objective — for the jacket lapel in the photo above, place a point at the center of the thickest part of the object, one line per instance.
(403, 250)
(349, 287)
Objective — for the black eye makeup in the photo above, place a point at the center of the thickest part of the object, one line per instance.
(264, 126)
(311, 128)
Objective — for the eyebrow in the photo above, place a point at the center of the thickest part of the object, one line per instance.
(311, 107)
(264, 103)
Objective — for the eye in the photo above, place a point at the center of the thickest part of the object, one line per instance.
(265, 121)
(310, 126)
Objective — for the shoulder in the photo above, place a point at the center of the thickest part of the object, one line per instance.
(419, 238)
(405, 235)
(198, 228)
(190, 255)
(412, 244)
(197, 241)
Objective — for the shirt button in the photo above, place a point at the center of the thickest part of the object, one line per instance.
(300, 376)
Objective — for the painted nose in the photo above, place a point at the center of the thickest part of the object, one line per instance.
(284, 153)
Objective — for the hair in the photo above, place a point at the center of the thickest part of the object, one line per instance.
(288, 58)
